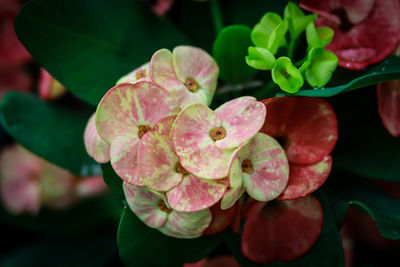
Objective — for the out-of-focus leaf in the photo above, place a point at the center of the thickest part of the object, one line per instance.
(50, 130)
(88, 44)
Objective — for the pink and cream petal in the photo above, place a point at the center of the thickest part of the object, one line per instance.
(389, 106)
(195, 63)
(242, 118)
(304, 180)
(95, 146)
(194, 194)
(270, 168)
(145, 205)
(157, 160)
(139, 74)
(235, 189)
(126, 107)
(187, 224)
(123, 155)
(195, 147)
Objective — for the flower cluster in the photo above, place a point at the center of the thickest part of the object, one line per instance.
(178, 157)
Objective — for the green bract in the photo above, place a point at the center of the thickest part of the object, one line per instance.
(260, 58)
(296, 20)
(318, 37)
(319, 67)
(286, 75)
(270, 32)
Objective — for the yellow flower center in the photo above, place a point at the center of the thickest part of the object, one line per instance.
(191, 84)
(218, 133)
(180, 169)
(142, 130)
(247, 166)
(140, 74)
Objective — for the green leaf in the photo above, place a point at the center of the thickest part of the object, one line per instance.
(112, 179)
(318, 37)
(260, 58)
(88, 215)
(346, 80)
(50, 130)
(88, 44)
(297, 21)
(349, 190)
(270, 32)
(229, 50)
(286, 75)
(319, 67)
(327, 252)
(65, 252)
(140, 245)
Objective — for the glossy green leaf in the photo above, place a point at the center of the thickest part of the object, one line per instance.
(327, 252)
(297, 21)
(88, 44)
(286, 75)
(140, 245)
(260, 58)
(65, 252)
(88, 215)
(50, 130)
(112, 179)
(319, 67)
(318, 37)
(229, 50)
(344, 80)
(346, 190)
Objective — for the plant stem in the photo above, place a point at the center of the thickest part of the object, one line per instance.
(217, 17)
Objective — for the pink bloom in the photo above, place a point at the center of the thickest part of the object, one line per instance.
(205, 140)
(366, 31)
(49, 88)
(141, 73)
(189, 74)
(153, 210)
(14, 78)
(308, 129)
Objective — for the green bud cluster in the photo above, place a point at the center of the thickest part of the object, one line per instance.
(270, 34)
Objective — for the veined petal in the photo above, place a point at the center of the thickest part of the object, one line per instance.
(242, 118)
(95, 146)
(156, 158)
(235, 189)
(186, 224)
(195, 63)
(126, 107)
(145, 205)
(270, 172)
(123, 155)
(195, 147)
(194, 194)
(303, 180)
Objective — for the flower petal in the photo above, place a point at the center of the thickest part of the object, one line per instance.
(186, 225)
(95, 146)
(304, 180)
(194, 194)
(195, 63)
(235, 189)
(242, 118)
(221, 219)
(389, 106)
(307, 125)
(194, 146)
(157, 159)
(123, 155)
(126, 106)
(270, 168)
(271, 229)
(139, 74)
(145, 205)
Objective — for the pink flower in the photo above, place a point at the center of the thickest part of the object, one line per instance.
(49, 88)
(141, 73)
(366, 31)
(308, 129)
(153, 210)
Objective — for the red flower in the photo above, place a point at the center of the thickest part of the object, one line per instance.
(308, 130)
(366, 31)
